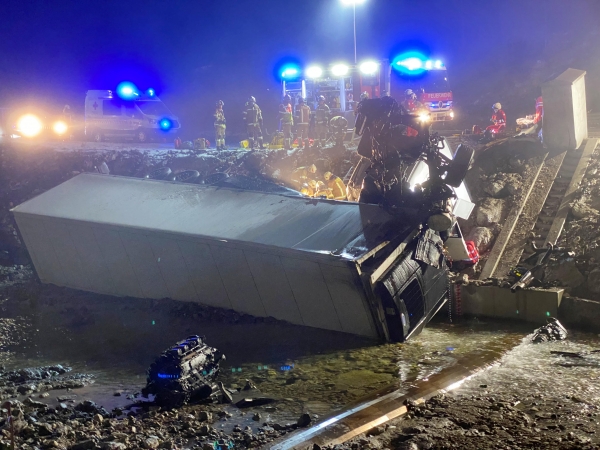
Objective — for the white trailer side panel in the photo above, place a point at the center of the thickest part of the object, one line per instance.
(290, 258)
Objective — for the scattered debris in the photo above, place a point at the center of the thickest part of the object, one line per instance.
(552, 331)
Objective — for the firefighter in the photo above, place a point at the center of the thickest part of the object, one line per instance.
(220, 126)
(302, 123)
(321, 122)
(499, 116)
(337, 186)
(339, 126)
(254, 121)
(287, 121)
(301, 174)
(410, 102)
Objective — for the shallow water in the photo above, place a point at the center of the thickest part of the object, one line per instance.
(304, 369)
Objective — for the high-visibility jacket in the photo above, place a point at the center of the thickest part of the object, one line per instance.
(219, 118)
(499, 117)
(303, 114)
(252, 114)
(285, 114)
(322, 114)
(338, 188)
(539, 110)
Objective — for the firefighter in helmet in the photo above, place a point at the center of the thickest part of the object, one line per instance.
(302, 122)
(220, 125)
(301, 174)
(321, 122)
(339, 126)
(335, 186)
(254, 121)
(410, 102)
(287, 121)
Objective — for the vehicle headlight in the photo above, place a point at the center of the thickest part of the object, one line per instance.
(452, 114)
(60, 127)
(29, 125)
(424, 117)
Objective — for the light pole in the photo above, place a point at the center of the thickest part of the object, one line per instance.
(353, 3)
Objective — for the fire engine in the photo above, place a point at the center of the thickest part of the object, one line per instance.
(342, 84)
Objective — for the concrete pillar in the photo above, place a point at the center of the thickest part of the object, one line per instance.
(565, 113)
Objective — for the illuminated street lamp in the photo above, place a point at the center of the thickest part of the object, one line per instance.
(353, 3)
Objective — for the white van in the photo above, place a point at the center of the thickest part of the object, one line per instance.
(144, 118)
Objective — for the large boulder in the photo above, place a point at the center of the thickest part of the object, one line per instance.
(565, 273)
(482, 237)
(489, 212)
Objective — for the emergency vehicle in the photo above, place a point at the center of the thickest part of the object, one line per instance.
(128, 114)
(342, 85)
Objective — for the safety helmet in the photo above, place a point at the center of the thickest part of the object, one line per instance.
(304, 189)
(312, 168)
(287, 98)
(321, 98)
(312, 184)
(408, 92)
(497, 106)
(220, 103)
(251, 99)
(328, 175)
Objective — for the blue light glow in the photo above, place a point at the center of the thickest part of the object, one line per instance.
(167, 376)
(289, 72)
(165, 124)
(410, 63)
(150, 92)
(127, 90)
(439, 64)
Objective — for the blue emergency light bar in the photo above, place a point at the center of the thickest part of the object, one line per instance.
(415, 63)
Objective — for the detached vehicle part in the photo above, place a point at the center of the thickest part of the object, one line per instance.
(184, 372)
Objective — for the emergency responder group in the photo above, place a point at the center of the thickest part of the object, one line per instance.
(299, 116)
(306, 181)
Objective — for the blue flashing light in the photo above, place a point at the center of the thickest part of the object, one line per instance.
(289, 72)
(429, 65)
(411, 63)
(439, 64)
(165, 124)
(150, 92)
(127, 90)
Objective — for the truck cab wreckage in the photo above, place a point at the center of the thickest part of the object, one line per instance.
(376, 267)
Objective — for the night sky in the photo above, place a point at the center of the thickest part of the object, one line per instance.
(194, 52)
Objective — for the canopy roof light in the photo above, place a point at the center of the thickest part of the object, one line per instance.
(314, 72)
(369, 67)
(339, 70)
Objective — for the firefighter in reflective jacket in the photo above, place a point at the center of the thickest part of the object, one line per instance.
(302, 122)
(287, 121)
(336, 186)
(253, 119)
(321, 122)
(301, 174)
(410, 102)
(339, 126)
(220, 126)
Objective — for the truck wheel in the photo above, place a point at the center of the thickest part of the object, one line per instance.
(141, 136)
(459, 166)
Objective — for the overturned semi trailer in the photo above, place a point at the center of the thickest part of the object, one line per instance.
(334, 265)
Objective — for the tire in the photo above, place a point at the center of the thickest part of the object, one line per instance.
(459, 166)
(141, 136)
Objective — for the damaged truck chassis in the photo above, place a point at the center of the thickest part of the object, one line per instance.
(375, 270)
